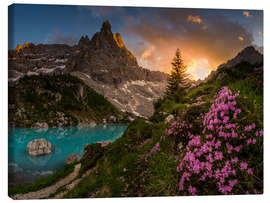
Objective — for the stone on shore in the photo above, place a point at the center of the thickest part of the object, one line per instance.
(72, 158)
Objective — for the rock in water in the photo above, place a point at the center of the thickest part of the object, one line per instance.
(39, 147)
(72, 158)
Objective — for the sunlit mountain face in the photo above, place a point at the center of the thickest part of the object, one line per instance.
(206, 37)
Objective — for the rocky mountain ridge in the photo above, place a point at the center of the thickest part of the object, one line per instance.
(103, 62)
(248, 55)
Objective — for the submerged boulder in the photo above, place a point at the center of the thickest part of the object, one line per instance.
(39, 147)
(72, 158)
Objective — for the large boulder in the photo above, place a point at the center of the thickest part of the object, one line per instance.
(39, 147)
(72, 158)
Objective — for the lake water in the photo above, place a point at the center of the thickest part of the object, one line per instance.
(65, 141)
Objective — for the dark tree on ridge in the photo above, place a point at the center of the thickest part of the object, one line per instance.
(177, 81)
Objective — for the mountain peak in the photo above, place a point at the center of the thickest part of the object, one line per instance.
(248, 54)
(106, 27)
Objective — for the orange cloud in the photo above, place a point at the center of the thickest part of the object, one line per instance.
(148, 52)
(194, 19)
(240, 38)
(246, 13)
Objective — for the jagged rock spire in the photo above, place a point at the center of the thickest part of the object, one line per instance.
(106, 28)
(84, 41)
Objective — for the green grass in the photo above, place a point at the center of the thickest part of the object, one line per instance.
(116, 172)
(251, 96)
(43, 182)
(161, 176)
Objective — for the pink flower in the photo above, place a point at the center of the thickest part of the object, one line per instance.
(232, 182)
(155, 148)
(192, 190)
(208, 166)
(243, 166)
(218, 144)
(234, 160)
(209, 136)
(237, 149)
(229, 147)
(225, 119)
(218, 155)
(234, 134)
(250, 172)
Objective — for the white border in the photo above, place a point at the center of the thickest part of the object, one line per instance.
(228, 4)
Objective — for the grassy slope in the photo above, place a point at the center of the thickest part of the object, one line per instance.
(48, 98)
(127, 169)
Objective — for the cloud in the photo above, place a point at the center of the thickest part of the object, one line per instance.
(194, 19)
(168, 29)
(246, 13)
(148, 52)
(240, 38)
(58, 38)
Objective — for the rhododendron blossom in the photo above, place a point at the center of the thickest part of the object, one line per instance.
(213, 155)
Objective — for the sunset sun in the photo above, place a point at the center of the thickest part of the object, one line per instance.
(198, 68)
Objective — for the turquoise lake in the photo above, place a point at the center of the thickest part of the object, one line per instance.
(65, 141)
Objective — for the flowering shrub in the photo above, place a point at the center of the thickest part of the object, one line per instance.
(155, 148)
(226, 157)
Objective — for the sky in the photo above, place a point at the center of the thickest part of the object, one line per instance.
(205, 37)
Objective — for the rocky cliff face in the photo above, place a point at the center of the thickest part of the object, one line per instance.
(103, 62)
(106, 59)
(248, 55)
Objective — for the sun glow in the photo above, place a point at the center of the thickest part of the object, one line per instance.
(198, 68)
